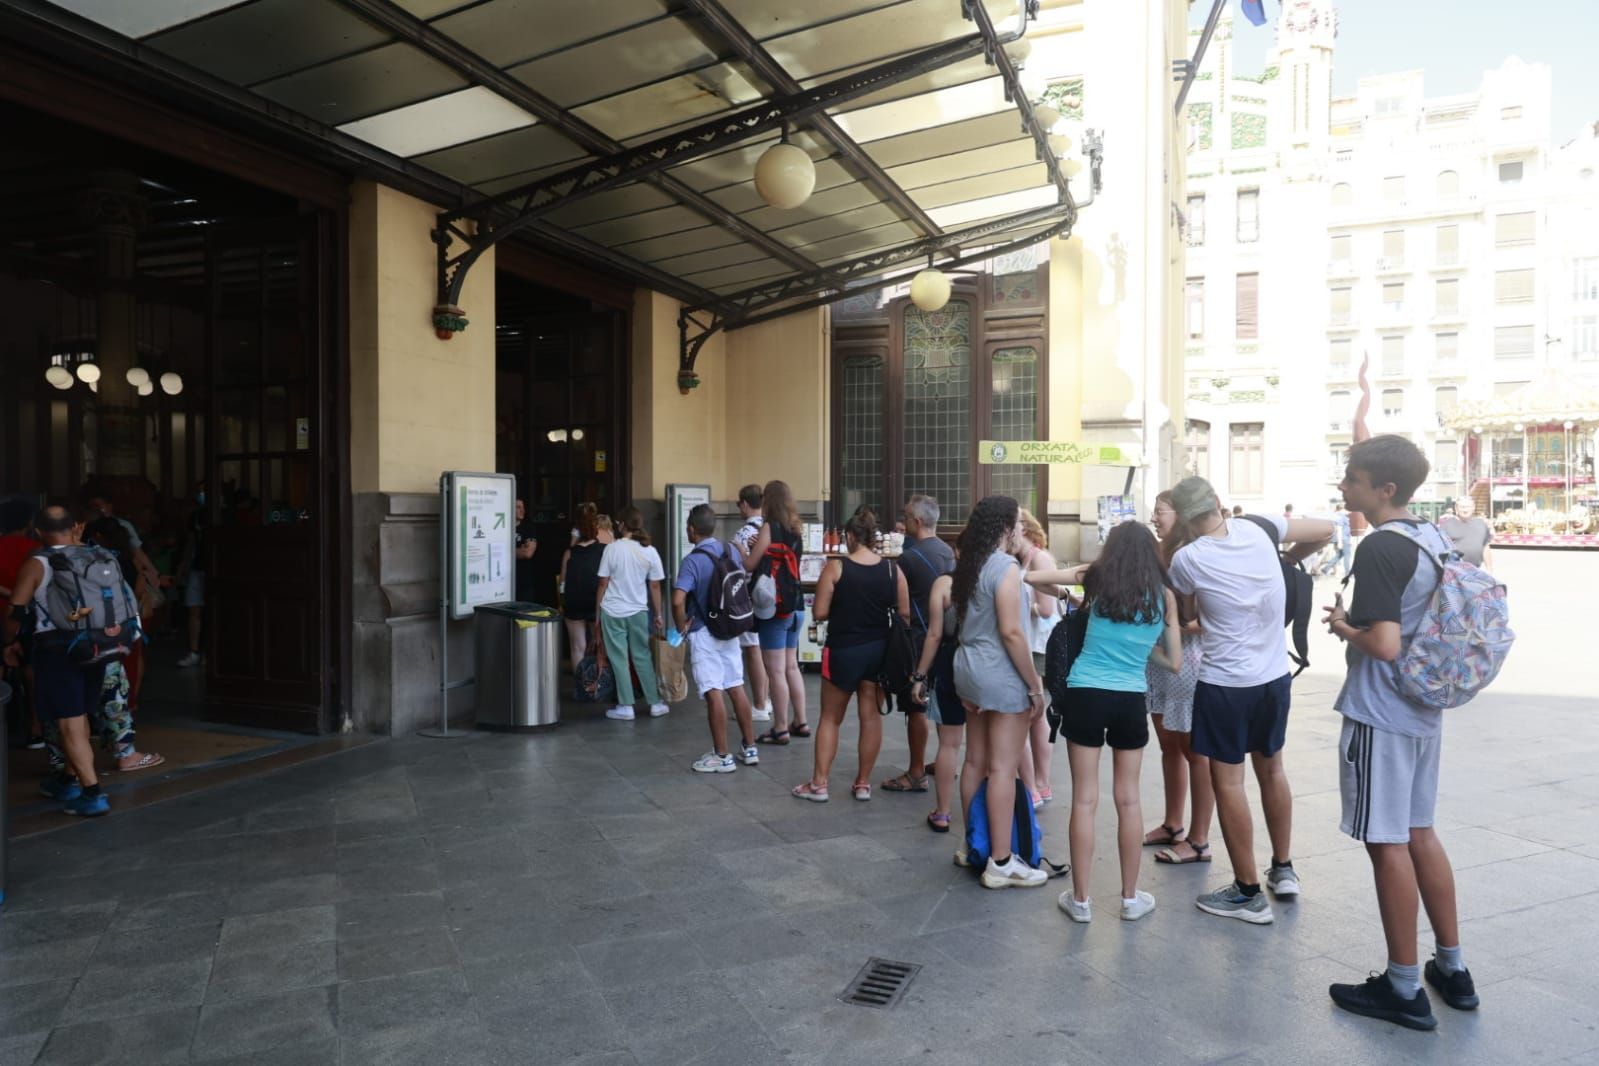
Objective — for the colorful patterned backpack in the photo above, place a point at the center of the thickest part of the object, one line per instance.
(1464, 636)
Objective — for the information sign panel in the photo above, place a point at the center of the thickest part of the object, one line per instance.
(480, 519)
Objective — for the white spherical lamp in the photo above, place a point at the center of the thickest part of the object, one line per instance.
(59, 376)
(88, 373)
(147, 388)
(930, 289)
(137, 376)
(785, 175)
(1070, 167)
(171, 383)
(1019, 50)
(1046, 115)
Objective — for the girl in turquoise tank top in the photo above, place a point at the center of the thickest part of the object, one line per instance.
(1132, 621)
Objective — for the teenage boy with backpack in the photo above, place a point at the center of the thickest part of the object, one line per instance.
(1232, 571)
(1389, 749)
(711, 603)
(749, 509)
(67, 670)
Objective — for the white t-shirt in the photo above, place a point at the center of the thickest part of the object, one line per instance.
(1239, 584)
(630, 566)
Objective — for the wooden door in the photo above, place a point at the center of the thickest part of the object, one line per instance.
(270, 654)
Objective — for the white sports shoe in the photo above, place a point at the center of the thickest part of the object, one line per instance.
(750, 755)
(659, 709)
(763, 713)
(1141, 904)
(620, 713)
(192, 659)
(1014, 874)
(1082, 913)
(712, 763)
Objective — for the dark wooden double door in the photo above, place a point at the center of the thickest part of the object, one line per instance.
(273, 481)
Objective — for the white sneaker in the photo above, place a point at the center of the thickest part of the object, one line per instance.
(712, 763)
(961, 859)
(1141, 904)
(659, 709)
(1014, 874)
(620, 713)
(1082, 913)
(750, 755)
(191, 659)
(763, 713)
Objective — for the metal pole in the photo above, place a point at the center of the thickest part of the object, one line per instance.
(443, 731)
(1192, 71)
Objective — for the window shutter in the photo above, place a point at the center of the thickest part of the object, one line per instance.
(1448, 184)
(1513, 286)
(1341, 301)
(1248, 324)
(1448, 242)
(1342, 247)
(1393, 244)
(1512, 341)
(1517, 228)
(1446, 346)
(1448, 296)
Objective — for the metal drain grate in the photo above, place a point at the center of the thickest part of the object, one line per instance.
(880, 983)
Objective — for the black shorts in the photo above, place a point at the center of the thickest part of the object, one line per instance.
(1232, 723)
(850, 667)
(1094, 717)
(62, 690)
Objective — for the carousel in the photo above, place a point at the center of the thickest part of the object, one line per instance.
(1528, 458)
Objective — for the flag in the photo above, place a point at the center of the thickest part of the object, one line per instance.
(1254, 11)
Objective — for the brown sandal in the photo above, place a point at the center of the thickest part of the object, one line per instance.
(1173, 835)
(1169, 856)
(801, 729)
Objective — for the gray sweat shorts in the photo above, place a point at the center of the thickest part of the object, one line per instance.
(1389, 783)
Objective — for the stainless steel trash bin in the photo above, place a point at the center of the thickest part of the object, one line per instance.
(518, 665)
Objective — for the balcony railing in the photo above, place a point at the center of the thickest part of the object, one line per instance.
(1340, 320)
(1446, 260)
(1390, 264)
(1341, 268)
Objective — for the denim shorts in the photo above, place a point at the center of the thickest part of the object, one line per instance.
(776, 634)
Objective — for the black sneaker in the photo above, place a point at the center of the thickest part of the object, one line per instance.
(1377, 999)
(1458, 989)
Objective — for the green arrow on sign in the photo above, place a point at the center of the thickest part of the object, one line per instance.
(499, 519)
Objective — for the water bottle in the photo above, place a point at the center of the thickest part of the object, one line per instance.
(673, 637)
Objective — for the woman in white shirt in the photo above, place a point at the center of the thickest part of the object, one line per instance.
(629, 598)
(1042, 609)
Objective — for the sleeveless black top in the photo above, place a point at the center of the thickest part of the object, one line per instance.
(862, 598)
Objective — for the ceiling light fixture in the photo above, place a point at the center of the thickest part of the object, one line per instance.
(784, 174)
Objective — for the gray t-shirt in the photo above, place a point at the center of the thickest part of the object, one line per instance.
(1394, 582)
(1470, 535)
(984, 673)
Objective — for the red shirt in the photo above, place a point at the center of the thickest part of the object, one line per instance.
(14, 550)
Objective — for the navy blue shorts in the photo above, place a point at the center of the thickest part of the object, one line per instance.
(851, 667)
(1232, 723)
(60, 689)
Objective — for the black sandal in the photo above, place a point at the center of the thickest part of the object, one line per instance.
(801, 730)
(773, 736)
(1173, 835)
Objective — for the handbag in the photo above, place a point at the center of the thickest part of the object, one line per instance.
(594, 682)
(900, 654)
(669, 672)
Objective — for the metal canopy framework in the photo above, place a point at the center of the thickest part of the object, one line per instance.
(625, 133)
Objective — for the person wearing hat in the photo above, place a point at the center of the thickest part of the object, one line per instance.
(1231, 569)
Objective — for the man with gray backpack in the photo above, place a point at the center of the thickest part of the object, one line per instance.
(1426, 631)
(81, 615)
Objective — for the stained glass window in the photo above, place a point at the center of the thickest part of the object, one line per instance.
(1014, 414)
(864, 448)
(938, 411)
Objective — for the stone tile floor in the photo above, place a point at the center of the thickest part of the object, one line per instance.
(580, 897)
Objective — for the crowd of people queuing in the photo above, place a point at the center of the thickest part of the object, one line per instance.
(1184, 628)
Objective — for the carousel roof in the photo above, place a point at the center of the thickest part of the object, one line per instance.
(1555, 395)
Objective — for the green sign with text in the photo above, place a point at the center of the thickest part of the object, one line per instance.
(995, 452)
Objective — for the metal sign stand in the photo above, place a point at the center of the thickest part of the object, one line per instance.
(443, 730)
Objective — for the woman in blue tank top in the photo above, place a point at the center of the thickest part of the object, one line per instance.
(1132, 621)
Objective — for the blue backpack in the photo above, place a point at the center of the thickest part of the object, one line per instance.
(1028, 848)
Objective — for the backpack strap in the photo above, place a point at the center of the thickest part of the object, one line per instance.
(1265, 527)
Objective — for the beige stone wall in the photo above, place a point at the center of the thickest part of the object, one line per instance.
(418, 405)
(760, 411)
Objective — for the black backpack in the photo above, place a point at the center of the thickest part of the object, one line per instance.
(1064, 645)
(781, 563)
(728, 610)
(1299, 590)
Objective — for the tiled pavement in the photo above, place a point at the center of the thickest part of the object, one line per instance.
(580, 897)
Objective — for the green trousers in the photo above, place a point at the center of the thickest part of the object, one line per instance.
(629, 639)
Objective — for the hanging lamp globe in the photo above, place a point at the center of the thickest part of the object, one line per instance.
(1019, 50)
(147, 387)
(1070, 167)
(137, 376)
(1032, 83)
(171, 383)
(59, 376)
(1046, 115)
(930, 289)
(785, 175)
(88, 373)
